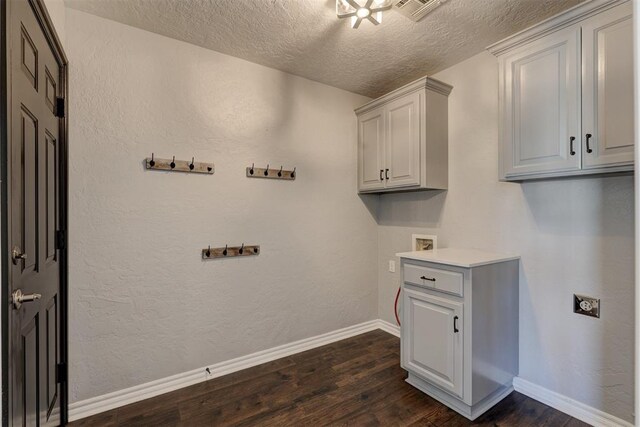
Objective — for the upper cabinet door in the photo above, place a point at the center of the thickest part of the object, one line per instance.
(371, 142)
(403, 142)
(607, 88)
(541, 102)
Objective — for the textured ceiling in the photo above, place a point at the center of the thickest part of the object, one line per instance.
(305, 38)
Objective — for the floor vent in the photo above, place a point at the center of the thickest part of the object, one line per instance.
(417, 9)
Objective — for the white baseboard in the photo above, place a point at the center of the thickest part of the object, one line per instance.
(567, 405)
(389, 327)
(96, 405)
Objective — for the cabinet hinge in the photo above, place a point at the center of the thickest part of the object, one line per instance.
(60, 112)
(61, 239)
(61, 373)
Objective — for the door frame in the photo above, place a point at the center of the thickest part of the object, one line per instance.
(43, 18)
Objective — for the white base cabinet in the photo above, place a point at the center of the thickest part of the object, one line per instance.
(459, 334)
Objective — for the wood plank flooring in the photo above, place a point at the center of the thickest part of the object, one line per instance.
(354, 382)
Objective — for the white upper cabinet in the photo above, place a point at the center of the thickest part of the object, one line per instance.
(371, 136)
(402, 139)
(403, 147)
(566, 94)
(607, 88)
(542, 105)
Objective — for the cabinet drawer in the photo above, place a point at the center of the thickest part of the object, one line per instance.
(432, 278)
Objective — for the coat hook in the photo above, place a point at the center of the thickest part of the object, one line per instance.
(192, 165)
(152, 163)
(280, 171)
(251, 170)
(209, 252)
(293, 174)
(241, 249)
(225, 250)
(173, 162)
(266, 171)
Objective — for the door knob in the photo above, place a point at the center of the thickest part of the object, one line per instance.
(19, 298)
(17, 255)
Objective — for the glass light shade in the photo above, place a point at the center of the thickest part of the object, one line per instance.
(358, 11)
(363, 12)
(342, 7)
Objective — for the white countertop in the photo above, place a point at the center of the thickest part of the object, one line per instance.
(458, 257)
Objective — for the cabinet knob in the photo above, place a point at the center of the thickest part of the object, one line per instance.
(381, 171)
(455, 325)
(431, 279)
(386, 174)
(588, 137)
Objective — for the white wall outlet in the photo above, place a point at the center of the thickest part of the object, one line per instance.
(588, 306)
(392, 266)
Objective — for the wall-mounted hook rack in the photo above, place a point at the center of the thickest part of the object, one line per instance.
(230, 251)
(174, 165)
(279, 173)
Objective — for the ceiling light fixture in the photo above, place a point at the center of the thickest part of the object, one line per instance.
(371, 10)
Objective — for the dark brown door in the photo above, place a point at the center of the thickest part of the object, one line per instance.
(34, 173)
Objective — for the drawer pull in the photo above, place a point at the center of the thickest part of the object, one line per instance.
(431, 279)
(455, 325)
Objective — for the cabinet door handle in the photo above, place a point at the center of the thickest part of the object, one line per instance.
(588, 136)
(431, 279)
(386, 174)
(571, 150)
(455, 325)
(381, 174)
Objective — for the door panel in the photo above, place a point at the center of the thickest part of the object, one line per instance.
(371, 140)
(52, 359)
(431, 347)
(51, 176)
(30, 374)
(28, 197)
(607, 88)
(403, 142)
(29, 57)
(34, 192)
(542, 105)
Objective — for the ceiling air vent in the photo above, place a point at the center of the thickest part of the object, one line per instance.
(417, 9)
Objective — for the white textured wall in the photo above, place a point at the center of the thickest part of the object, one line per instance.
(143, 304)
(574, 236)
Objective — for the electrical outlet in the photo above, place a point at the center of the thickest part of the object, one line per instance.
(392, 266)
(588, 306)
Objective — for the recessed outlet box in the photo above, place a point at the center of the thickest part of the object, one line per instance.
(588, 306)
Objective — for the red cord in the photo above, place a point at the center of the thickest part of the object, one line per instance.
(395, 307)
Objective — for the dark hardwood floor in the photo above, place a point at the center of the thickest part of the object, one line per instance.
(357, 381)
